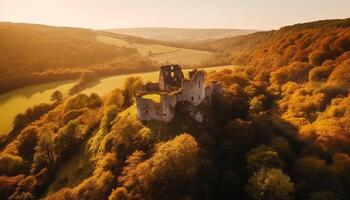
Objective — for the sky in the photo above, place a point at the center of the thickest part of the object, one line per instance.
(240, 14)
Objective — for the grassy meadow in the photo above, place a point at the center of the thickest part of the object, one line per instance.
(161, 53)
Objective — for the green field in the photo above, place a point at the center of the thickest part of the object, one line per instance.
(160, 53)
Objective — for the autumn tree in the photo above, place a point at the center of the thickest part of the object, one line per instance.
(94, 101)
(171, 169)
(263, 157)
(119, 193)
(44, 152)
(27, 141)
(131, 86)
(108, 117)
(11, 165)
(116, 98)
(270, 184)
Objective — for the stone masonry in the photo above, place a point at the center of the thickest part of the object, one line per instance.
(172, 88)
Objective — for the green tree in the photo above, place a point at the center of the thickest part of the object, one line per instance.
(270, 184)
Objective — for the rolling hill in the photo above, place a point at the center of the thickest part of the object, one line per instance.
(181, 34)
(33, 53)
(280, 128)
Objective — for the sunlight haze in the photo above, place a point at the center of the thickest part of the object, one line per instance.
(103, 14)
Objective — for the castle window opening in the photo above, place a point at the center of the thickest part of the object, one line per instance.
(199, 85)
(199, 96)
(192, 98)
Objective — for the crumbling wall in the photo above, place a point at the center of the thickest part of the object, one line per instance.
(170, 76)
(193, 90)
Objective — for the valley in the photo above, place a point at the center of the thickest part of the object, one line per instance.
(163, 54)
(19, 100)
(66, 52)
(268, 118)
(181, 34)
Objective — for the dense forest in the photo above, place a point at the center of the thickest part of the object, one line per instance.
(38, 53)
(280, 130)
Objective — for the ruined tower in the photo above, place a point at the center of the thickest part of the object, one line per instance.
(157, 101)
(170, 76)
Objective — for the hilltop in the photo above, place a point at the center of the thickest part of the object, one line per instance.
(181, 34)
(280, 128)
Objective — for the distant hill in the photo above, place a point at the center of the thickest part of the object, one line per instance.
(32, 53)
(181, 34)
(264, 52)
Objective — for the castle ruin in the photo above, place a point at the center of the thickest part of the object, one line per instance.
(157, 101)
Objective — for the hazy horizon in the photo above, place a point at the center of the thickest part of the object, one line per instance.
(223, 14)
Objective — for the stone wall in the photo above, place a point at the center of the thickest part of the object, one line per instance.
(193, 90)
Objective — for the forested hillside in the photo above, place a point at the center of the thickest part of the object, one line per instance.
(36, 48)
(280, 130)
(38, 53)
